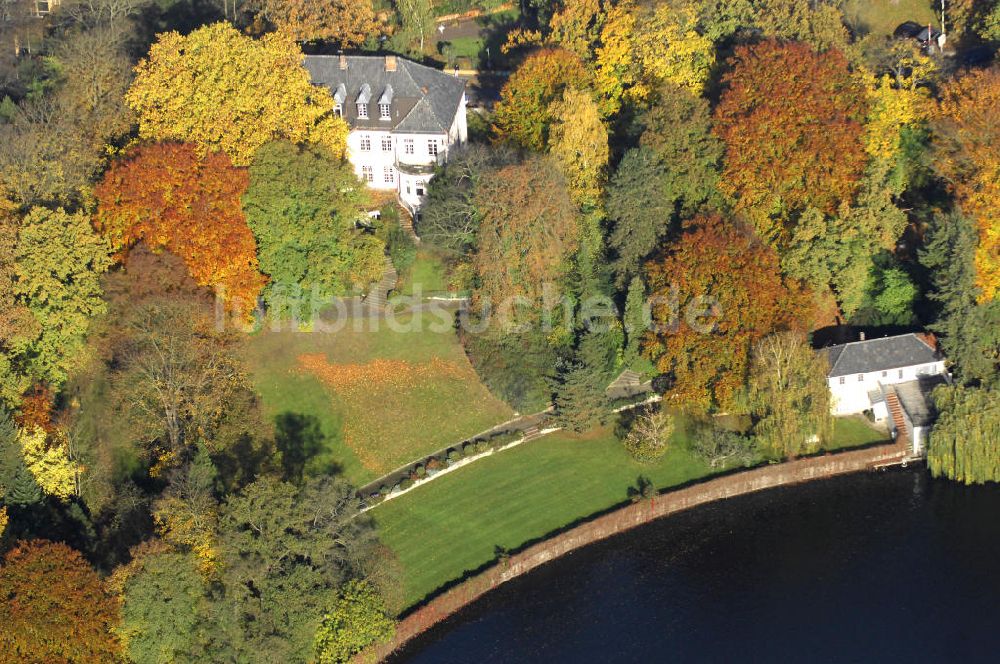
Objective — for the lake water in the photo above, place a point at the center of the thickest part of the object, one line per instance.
(891, 566)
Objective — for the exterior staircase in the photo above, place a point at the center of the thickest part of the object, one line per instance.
(629, 383)
(378, 294)
(532, 433)
(898, 420)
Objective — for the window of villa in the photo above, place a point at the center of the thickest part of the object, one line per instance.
(900, 373)
(366, 174)
(432, 147)
(383, 111)
(363, 111)
(408, 146)
(842, 381)
(389, 175)
(366, 143)
(861, 378)
(386, 144)
(884, 374)
(339, 110)
(420, 188)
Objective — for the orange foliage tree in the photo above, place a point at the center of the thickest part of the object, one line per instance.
(715, 292)
(172, 198)
(524, 113)
(791, 121)
(54, 608)
(966, 137)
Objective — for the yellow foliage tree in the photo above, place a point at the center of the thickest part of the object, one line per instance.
(617, 75)
(49, 461)
(966, 137)
(577, 26)
(895, 102)
(223, 90)
(670, 49)
(346, 22)
(579, 142)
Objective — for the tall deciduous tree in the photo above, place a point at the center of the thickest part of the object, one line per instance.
(226, 91)
(54, 607)
(170, 197)
(579, 143)
(788, 395)
(287, 550)
(302, 205)
(966, 135)
(524, 113)
(345, 22)
(528, 235)
(716, 292)
(791, 122)
(58, 262)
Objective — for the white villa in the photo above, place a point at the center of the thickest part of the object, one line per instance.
(404, 118)
(892, 377)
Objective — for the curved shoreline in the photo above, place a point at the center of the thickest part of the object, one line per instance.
(626, 518)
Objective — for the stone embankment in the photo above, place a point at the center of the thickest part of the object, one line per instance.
(628, 517)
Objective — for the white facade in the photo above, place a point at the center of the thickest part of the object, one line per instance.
(849, 394)
(403, 162)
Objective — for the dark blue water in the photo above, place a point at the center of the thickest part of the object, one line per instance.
(889, 567)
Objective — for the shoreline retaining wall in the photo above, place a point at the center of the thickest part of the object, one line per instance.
(626, 518)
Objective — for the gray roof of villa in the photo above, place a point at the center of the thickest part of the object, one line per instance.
(424, 100)
(904, 350)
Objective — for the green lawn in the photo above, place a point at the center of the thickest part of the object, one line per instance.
(426, 275)
(854, 431)
(382, 397)
(882, 16)
(454, 524)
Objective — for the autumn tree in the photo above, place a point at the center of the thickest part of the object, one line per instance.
(170, 197)
(357, 619)
(966, 134)
(48, 460)
(17, 324)
(791, 122)
(347, 23)
(223, 90)
(527, 237)
(576, 26)
(788, 395)
(962, 445)
(670, 49)
(57, 142)
(525, 112)
(648, 437)
(449, 219)
(819, 24)
(302, 205)
(54, 607)
(58, 262)
(578, 140)
(716, 291)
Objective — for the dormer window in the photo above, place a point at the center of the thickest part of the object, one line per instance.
(338, 100)
(362, 101)
(384, 103)
(338, 110)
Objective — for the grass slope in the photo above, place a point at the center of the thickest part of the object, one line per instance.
(882, 16)
(382, 396)
(453, 525)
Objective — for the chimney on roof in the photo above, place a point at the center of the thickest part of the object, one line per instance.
(343, 62)
(861, 335)
(390, 63)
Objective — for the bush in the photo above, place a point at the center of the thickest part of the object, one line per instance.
(482, 446)
(399, 243)
(434, 463)
(384, 490)
(405, 484)
(468, 449)
(420, 471)
(454, 456)
(717, 446)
